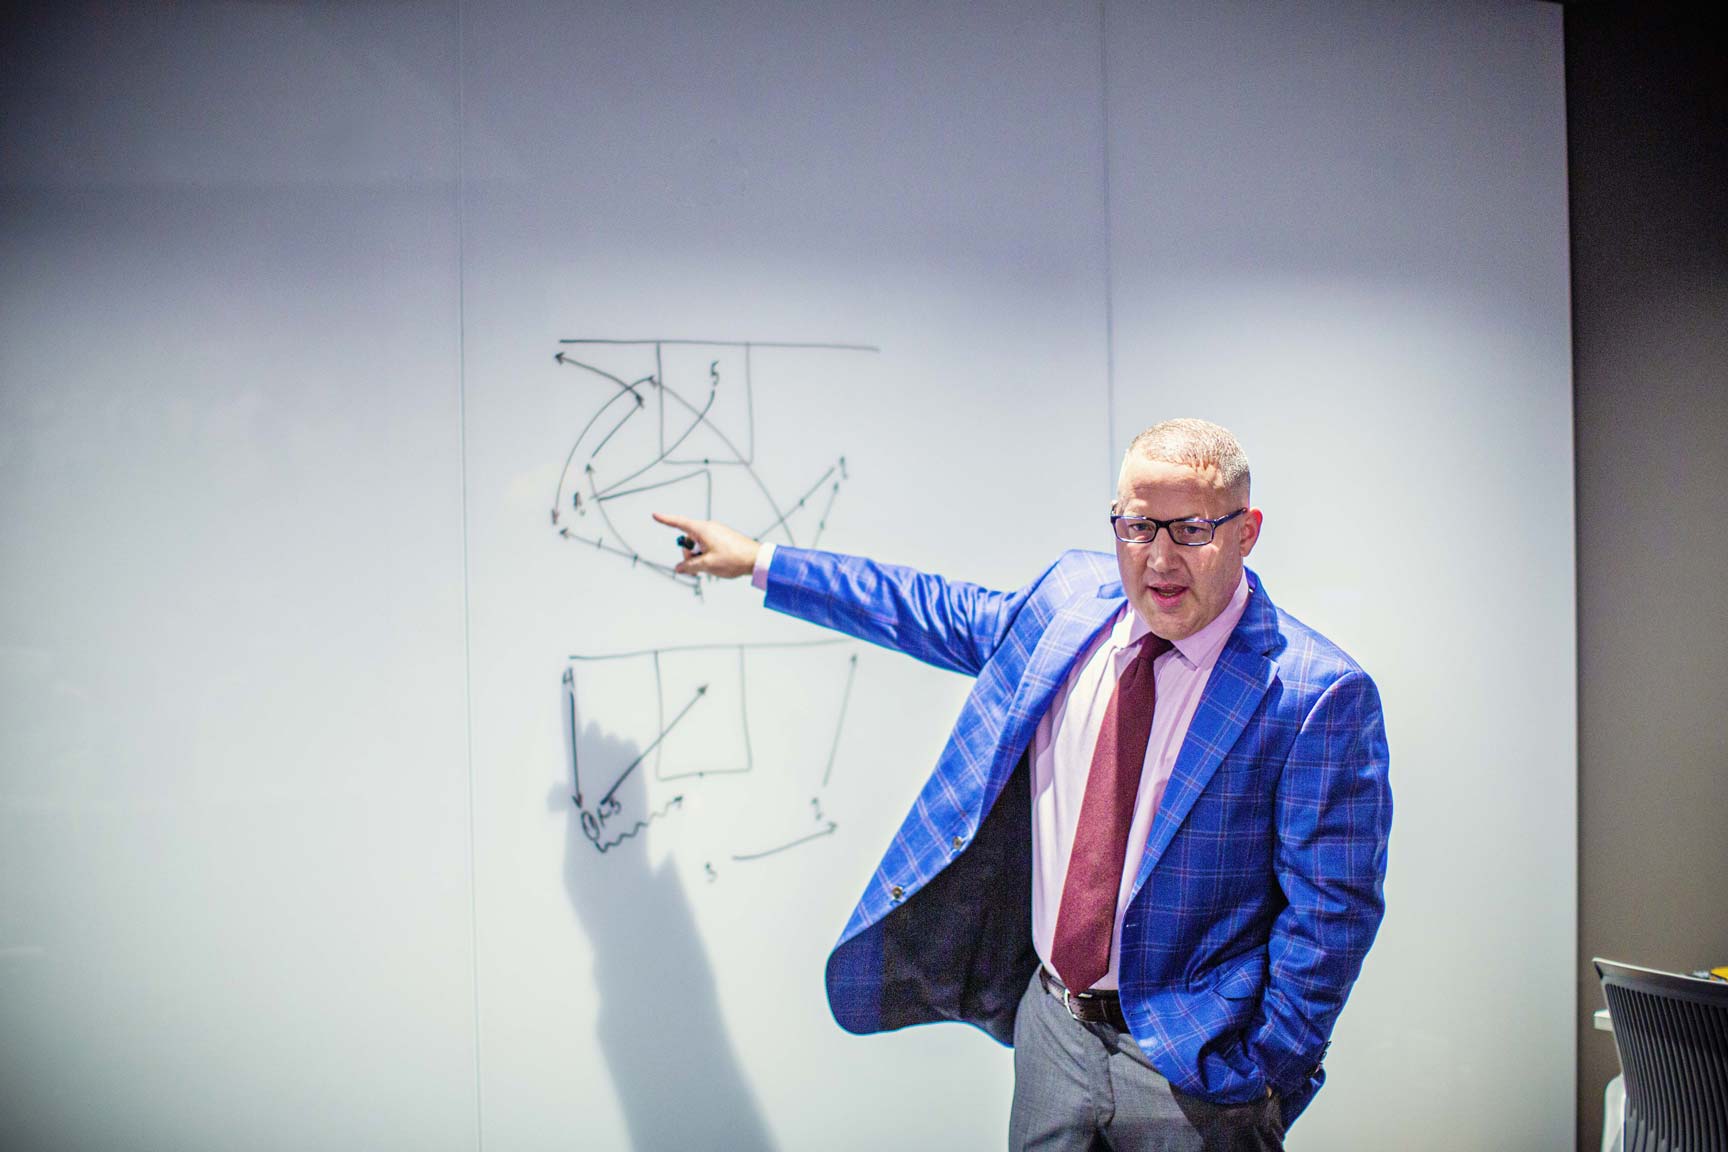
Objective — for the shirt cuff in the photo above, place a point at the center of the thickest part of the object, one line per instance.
(759, 574)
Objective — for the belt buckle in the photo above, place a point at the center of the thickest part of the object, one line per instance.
(1075, 1002)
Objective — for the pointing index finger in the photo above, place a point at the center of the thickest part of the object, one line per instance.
(683, 523)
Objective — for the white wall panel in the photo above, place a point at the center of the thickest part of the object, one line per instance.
(1340, 230)
(233, 782)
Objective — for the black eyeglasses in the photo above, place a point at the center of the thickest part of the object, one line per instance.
(1192, 532)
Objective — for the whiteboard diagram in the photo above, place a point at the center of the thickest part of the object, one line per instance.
(674, 417)
(741, 736)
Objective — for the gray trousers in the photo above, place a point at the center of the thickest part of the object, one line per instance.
(1080, 1087)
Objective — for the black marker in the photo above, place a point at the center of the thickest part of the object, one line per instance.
(689, 545)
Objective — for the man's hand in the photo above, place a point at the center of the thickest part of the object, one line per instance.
(712, 549)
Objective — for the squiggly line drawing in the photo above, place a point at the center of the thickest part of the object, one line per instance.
(593, 826)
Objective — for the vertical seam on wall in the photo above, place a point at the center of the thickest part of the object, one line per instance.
(467, 615)
(1109, 268)
(1586, 988)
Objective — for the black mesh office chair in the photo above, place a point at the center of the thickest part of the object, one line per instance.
(1672, 1033)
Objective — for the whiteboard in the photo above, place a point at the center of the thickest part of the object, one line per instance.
(365, 777)
(773, 177)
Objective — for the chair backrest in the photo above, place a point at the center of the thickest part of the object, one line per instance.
(1672, 1033)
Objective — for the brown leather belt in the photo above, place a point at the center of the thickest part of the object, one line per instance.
(1094, 1007)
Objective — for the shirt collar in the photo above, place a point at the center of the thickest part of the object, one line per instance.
(1195, 650)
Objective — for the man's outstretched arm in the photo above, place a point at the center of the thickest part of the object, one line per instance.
(948, 623)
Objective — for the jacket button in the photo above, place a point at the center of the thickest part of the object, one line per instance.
(959, 840)
(896, 892)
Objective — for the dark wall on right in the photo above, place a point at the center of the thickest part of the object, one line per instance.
(1647, 127)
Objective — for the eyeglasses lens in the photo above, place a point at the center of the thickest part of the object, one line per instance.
(1188, 533)
(1191, 534)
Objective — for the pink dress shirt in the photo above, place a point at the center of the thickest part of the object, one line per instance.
(1062, 755)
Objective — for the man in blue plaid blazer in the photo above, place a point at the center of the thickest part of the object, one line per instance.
(1259, 889)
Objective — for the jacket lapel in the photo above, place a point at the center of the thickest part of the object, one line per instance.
(1239, 681)
(1070, 631)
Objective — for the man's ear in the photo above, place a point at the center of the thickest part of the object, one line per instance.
(1250, 529)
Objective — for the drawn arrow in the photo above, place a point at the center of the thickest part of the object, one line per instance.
(821, 521)
(851, 674)
(665, 732)
(701, 419)
(802, 500)
(690, 582)
(828, 831)
(570, 720)
(624, 389)
(730, 344)
(737, 456)
(572, 362)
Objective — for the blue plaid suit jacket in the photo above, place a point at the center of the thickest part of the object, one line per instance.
(1260, 889)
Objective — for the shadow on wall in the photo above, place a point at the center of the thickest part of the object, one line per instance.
(672, 1062)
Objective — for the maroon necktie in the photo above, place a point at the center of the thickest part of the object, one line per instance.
(1087, 918)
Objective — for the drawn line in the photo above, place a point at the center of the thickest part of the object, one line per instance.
(713, 648)
(733, 344)
(700, 774)
(607, 439)
(749, 409)
(749, 471)
(828, 831)
(609, 494)
(822, 521)
(700, 692)
(659, 379)
(821, 480)
(558, 498)
(749, 401)
(701, 418)
(635, 556)
(689, 582)
(572, 362)
(570, 720)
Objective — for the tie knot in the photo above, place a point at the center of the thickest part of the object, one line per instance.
(1153, 646)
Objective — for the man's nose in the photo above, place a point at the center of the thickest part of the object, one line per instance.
(1164, 552)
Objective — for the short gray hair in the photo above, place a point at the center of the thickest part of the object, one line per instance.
(1198, 444)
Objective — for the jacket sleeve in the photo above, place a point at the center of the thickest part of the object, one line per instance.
(948, 623)
(1334, 812)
